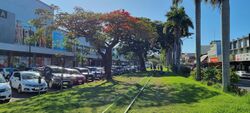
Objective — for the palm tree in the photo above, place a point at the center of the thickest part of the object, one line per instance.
(178, 24)
(225, 43)
(198, 34)
(225, 19)
(198, 38)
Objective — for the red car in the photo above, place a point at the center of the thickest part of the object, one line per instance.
(77, 77)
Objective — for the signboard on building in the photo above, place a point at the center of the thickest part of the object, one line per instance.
(242, 57)
(213, 50)
(3, 14)
(58, 40)
(214, 60)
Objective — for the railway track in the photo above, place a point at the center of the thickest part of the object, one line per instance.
(134, 99)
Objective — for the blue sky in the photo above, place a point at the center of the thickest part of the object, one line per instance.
(156, 9)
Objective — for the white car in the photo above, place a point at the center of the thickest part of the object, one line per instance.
(5, 89)
(243, 74)
(98, 72)
(27, 81)
(86, 73)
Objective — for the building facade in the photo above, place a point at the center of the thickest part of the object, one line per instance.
(15, 28)
(188, 58)
(214, 53)
(205, 49)
(240, 53)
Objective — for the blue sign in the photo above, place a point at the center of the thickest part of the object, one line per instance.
(58, 41)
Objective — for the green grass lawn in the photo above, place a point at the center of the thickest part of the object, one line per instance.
(164, 94)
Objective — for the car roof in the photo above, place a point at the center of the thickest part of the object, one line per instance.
(70, 69)
(53, 66)
(92, 67)
(7, 68)
(26, 72)
(81, 68)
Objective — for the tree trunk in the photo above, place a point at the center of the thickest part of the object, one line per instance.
(108, 63)
(167, 57)
(174, 56)
(225, 44)
(198, 38)
(178, 55)
(142, 62)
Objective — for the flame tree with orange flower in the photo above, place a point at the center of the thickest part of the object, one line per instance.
(104, 31)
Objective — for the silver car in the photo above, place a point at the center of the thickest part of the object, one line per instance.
(243, 74)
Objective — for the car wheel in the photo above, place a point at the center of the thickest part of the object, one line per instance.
(8, 100)
(19, 89)
(70, 86)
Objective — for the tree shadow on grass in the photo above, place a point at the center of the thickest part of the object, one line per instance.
(79, 97)
(156, 96)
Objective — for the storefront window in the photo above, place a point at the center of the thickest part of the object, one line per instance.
(19, 61)
(41, 61)
(3, 61)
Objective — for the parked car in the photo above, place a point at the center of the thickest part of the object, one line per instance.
(7, 72)
(5, 89)
(98, 72)
(77, 77)
(28, 81)
(86, 73)
(117, 70)
(243, 74)
(56, 76)
(92, 71)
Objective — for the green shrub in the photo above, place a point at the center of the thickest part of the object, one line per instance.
(214, 75)
(185, 70)
(210, 75)
(234, 78)
(235, 89)
(193, 73)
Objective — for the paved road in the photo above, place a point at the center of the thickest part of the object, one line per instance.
(244, 84)
(17, 96)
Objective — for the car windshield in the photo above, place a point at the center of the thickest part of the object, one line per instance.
(84, 71)
(73, 72)
(92, 69)
(57, 70)
(2, 80)
(8, 70)
(27, 76)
